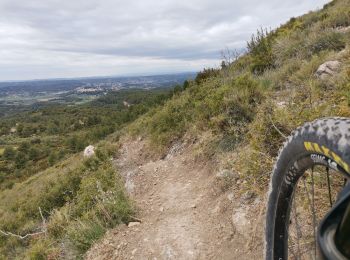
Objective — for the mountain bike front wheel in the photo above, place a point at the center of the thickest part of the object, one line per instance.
(311, 170)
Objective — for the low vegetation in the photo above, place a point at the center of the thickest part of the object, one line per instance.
(253, 102)
(53, 202)
(64, 209)
(33, 141)
(246, 108)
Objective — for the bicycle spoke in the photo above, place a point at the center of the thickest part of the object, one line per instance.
(329, 188)
(298, 229)
(309, 201)
(313, 208)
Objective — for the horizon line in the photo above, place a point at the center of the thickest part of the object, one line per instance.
(95, 77)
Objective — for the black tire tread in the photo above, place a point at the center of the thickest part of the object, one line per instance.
(334, 132)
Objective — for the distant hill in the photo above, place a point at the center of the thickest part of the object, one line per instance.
(19, 96)
(55, 85)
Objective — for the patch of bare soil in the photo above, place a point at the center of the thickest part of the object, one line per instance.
(183, 214)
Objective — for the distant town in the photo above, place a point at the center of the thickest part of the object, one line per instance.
(81, 89)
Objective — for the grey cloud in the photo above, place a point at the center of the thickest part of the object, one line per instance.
(155, 32)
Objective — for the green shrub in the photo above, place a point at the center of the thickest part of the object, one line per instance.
(90, 192)
(330, 41)
(338, 15)
(9, 153)
(59, 220)
(206, 74)
(260, 49)
(223, 109)
(280, 79)
(313, 18)
(294, 24)
(289, 47)
(170, 122)
(82, 234)
(94, 185)
(42, 249)
(266, 132)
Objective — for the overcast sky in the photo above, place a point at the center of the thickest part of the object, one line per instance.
(78, 38)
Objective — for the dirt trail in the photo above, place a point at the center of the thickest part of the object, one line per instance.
(183, 214)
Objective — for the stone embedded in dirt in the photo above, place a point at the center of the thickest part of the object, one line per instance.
(132, 224)
(89, 151)
(248, 196)
(223, 173)
(240, 220)
(129, 183)
(230, 196)
(193, 206)
(328, 68)
(176, 148)
(227, 174)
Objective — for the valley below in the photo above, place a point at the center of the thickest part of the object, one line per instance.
(19, 96)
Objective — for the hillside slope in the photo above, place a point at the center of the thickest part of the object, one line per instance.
(253, 102)
(54, 202)
(242, 112)
(214, 142)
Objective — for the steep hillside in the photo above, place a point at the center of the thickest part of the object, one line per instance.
(49, 132)
(213, 143)
(54, 203)
(210, 149)
(252, 103)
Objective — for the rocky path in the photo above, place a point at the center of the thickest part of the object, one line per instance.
(182, 215)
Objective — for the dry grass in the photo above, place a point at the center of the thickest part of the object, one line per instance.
(70, 195)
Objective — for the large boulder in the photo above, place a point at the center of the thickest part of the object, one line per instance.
(89, 151)
(329, 68)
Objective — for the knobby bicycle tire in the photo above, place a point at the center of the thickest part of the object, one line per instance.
(321, 142)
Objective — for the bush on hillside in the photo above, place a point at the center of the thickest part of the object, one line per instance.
(206, 74)
(223, 109)
(260, 48)
(83, 233)
(327, 41)
(338, 14)
(92, 192)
